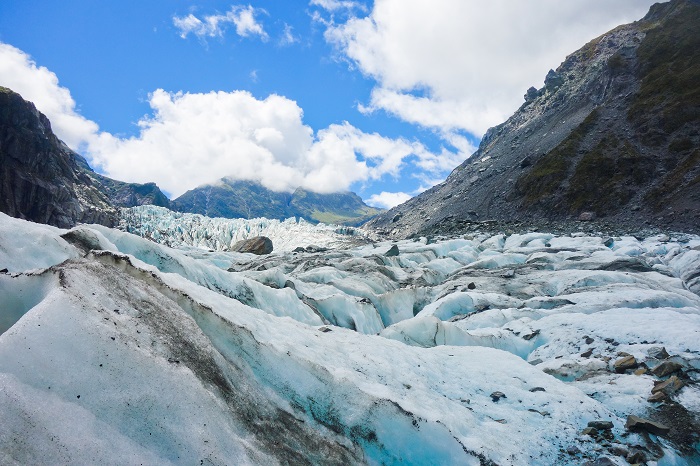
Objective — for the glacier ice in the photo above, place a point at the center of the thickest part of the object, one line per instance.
(346, 356)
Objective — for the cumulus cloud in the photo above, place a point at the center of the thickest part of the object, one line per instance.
(387, 200)
(241, 17)
(193, 139)
(458, 65)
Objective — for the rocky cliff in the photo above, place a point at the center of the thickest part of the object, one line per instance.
(122, 194)
(613, 135)
(41, 179)
(231, 198)
(44, 181)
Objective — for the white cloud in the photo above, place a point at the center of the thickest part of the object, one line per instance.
(464, 64)
(241, 17)
(334, 5)
(191, 24)
(245, 22)
(387, 200)
(193, 139)
(288, 37)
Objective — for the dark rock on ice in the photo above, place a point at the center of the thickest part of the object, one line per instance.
(669, 387)
(666, 368)
(602, 461)
(636, 457)
(601, 425)
(658, 353)
(625, 363)
(639, 424)
(258, 245)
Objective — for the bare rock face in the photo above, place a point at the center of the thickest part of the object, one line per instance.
(40, 177)
(122, 194)
(614, 135)
(259, 245)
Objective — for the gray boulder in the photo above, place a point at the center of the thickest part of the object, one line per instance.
(259, 245)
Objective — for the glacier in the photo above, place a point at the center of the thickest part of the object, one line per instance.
(163, 347)
(179, 229)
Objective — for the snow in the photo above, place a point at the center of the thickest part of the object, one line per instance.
(183, 356)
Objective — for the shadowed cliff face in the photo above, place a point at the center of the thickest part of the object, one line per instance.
(40, 177)
(615, 132)
(42, 180)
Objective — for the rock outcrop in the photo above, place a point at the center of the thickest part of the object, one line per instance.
(122, 194)
(612, 137)
(40, 177)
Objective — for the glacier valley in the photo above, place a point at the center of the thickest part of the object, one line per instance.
(162, 347)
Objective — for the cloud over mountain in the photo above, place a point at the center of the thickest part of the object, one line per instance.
(191, 139)
(465, 65)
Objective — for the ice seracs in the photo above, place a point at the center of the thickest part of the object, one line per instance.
(186, 355)
(178, 229)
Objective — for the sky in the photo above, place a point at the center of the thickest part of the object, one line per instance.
(383, 98)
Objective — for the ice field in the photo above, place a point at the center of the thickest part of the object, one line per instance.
(475, 350)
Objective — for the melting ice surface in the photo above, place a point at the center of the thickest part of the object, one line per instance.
(116, 349)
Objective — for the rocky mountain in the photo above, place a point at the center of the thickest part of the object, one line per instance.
(41, 179)
(613, 135)
(123, 194)
(231, 198)
(44, 181)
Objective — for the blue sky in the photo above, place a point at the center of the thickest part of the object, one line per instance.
(383, 98)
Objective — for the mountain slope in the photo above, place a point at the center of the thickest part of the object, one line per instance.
(40, 177)
(123, 194)
(615, 133)
(44, 181)
(231, 198)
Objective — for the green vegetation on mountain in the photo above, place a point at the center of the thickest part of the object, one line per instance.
(599, 170)
(545, 177)
(669, 63)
